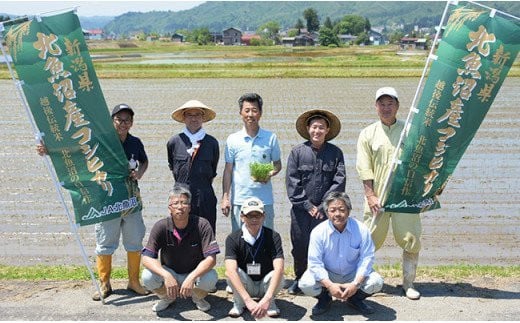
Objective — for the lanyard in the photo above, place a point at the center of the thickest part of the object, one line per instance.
(257, 248)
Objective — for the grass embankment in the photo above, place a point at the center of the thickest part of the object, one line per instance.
(123, 60)
(451, 272)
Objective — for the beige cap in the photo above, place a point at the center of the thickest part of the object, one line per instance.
(252, 204)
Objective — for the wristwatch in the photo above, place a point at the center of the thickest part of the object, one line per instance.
(358, 285)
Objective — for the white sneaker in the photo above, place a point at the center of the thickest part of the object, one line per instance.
(229, 290)
(235, 312)
(273, 310)
(162, 304)
(201, 304)
(412, 293)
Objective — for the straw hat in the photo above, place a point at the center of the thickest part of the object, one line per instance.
(334, 123)
(208, 113)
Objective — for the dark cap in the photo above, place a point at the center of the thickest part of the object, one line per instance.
(122, 107)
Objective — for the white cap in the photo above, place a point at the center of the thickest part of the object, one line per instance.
(387, 91)
(252, 204)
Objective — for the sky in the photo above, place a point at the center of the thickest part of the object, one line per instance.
(92, 8)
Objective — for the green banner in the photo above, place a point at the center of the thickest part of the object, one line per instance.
(58, 79)
(476, 52)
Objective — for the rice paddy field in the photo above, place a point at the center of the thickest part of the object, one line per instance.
(479, 222)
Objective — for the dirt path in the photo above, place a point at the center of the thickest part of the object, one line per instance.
(482, 299)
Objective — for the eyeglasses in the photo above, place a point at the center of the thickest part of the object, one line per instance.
(123, 121)
(179, 203)
(254, 215)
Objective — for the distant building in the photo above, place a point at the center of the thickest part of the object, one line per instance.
(376, 38)
(216, 37)
(93, 34)
(288, 41)
(231, 36)
(421, 43)
(246, 38)
(304, 40)
(299, 40)
(347, 38)
(177, 38)
(408, 43)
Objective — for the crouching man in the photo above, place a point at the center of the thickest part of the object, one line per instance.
(341, 254)
(188, 250)
(254, 263)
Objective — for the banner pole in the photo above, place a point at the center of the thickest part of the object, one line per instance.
(38, 137)
(413, 110)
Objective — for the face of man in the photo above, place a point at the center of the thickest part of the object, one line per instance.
(338, 214)
(387, 107)
(123, 121)
(250, 114)
(193, 119)
(179, 208)
(318, 129)
(253, 221)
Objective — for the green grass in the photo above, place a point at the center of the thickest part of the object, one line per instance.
(283, 62)
(451, 272)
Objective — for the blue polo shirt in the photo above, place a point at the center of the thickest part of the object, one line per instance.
(241, 150)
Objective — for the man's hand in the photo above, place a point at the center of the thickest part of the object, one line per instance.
(225, 206)
(187, 287)
(41, 149)
(172, 287)
(315, 213)
(374, 204)
(257, 309)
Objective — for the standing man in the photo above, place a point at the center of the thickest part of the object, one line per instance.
(187, 247)
(254, 263)
(193, 158)
(314, 168)
(251, 144)
(130, 225)
(375, 150)
(341, 255)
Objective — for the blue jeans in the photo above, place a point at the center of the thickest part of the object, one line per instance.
(153, 281)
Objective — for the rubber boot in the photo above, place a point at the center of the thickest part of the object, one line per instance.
(134, 262)
(410, 261)
(104, 267)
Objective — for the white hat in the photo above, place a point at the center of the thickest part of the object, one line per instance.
(252, 204)
(390, 91)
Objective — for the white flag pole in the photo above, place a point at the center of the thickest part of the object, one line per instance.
(38, 136)
(411, 113)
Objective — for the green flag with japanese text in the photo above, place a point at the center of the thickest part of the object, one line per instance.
(477, 50)
(58, 80)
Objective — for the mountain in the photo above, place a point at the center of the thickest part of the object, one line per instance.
(95, 22)
(249, 15)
